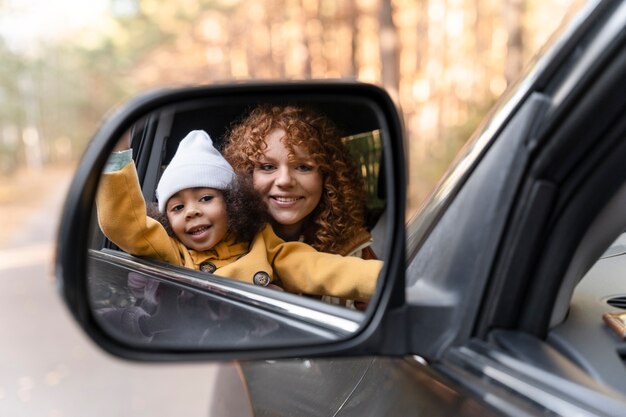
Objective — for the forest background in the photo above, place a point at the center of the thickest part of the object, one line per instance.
(65, 64)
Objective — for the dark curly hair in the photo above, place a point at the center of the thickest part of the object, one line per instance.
(339, 217)
(245, 208)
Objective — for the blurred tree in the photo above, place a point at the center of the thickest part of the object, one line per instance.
(389, 49)
(513, 14)
(445, 60)
(12, 64)
(11, 110)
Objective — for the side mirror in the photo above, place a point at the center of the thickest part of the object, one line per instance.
(137, 307)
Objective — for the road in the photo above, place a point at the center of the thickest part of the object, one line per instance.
(48, 367)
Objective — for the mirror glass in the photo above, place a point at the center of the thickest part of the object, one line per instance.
(237, 223)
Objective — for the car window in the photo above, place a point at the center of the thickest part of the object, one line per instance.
(367, 150)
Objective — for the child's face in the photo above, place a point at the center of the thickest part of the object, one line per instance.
(291, 188)
(198, 217)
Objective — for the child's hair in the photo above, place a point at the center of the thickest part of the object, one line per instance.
(247, 213)
(340, 214)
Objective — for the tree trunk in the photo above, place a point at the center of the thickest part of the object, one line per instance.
(513, 14)
(389, 54)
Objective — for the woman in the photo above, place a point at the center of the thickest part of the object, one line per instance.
(306, 175)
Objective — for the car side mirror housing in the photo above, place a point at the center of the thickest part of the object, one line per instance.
(142, 308)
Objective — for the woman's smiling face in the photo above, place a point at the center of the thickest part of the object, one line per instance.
(291, 188)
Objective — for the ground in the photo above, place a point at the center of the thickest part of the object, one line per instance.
(49, 367)
(27, 192)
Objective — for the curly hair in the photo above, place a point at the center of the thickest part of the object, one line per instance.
(245, 210)
(339, 217)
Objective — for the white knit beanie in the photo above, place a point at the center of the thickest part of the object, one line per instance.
(196, 164)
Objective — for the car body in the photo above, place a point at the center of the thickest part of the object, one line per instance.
(493, 296)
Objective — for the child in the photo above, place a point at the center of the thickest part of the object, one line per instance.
(191, 195)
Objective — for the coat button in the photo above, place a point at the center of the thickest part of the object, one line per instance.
(261, 278)
(207, 267)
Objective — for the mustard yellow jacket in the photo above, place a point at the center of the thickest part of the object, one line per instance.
(296, 266)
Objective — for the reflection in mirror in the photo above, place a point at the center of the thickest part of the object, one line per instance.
(139, 302)
(241, 225)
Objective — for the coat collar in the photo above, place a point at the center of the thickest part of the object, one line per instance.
(228, 248)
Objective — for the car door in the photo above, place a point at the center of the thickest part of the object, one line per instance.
(523, 227)
(497, 254)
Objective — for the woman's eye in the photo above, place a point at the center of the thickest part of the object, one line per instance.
(266, 167)
(206, 198)
(304, 167)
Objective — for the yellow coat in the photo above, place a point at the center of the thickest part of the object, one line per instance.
(295, 265)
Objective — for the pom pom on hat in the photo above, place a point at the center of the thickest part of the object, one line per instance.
(196, 164)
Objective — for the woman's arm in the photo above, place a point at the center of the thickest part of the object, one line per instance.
(301, 268)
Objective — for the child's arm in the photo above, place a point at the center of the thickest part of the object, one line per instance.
(301, 268)
(122, 213)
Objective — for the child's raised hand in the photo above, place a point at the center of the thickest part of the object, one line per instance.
(123, 144)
